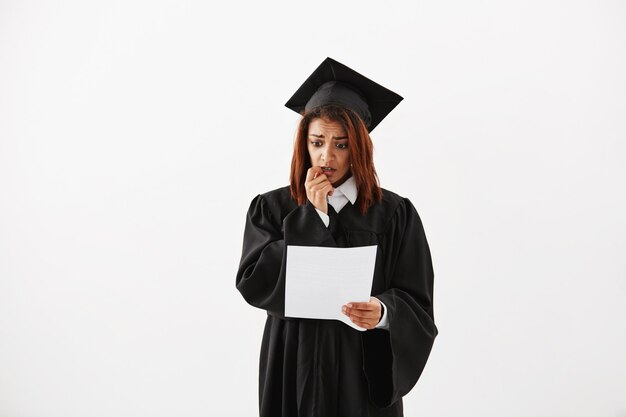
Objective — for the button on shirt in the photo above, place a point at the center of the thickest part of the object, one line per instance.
(344, 194)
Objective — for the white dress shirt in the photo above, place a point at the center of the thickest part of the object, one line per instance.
(344, 194)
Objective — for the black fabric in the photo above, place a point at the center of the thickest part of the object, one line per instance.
(324, 368)
(341, 93)
(334, 82)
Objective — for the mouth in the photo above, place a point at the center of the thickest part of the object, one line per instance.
(328, 171)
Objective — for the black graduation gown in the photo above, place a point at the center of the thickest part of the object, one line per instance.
(324, 368)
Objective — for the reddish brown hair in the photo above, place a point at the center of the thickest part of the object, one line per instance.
(361, 155)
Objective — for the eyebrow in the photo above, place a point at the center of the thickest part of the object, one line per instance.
(334, 137)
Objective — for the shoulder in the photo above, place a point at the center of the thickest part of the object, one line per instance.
(277, 195)
(279, 200)
(277, 203)
(400, 208)
(390, 197)
(392, 202)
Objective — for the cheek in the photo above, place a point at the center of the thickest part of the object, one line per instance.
(345, 161)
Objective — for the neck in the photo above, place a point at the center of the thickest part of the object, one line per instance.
(341, 180)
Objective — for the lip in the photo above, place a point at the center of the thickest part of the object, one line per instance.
(328, 173)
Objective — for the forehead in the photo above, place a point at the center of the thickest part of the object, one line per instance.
(325, 125)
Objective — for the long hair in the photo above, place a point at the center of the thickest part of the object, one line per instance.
(361, 155)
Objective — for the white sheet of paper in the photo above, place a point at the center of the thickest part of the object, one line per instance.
(319, 280)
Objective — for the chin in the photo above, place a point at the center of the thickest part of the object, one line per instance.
(341, 180)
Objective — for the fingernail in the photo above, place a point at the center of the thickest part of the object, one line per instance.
(350, 305)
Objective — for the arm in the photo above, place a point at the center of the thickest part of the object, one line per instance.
(261, 274)
(394, 359)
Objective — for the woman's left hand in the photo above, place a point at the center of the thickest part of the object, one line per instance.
(366, 315)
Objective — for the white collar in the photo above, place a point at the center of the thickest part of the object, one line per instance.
(348, 188)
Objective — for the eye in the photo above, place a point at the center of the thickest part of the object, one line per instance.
(316, 143)
(342, 145)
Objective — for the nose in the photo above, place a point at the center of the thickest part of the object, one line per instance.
(327, 154)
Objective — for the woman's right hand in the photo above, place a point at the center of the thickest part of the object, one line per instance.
(317, 187)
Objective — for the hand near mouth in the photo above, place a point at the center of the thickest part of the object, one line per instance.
(317, 188)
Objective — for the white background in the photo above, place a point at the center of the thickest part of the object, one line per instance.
(133, 136)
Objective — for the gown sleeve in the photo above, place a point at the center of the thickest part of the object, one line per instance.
(393, 359)
(261, 274)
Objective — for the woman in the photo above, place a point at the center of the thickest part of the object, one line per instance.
(311, 367)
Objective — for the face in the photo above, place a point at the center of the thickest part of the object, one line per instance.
(328, 148)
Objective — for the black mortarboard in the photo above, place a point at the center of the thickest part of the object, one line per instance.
(333, 82)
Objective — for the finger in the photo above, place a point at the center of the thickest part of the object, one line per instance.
(310, 173)
(320, 179)
(316, 188)
(328, 188)
(322, 188)
(362, 306)
(363, 324)
(359, 314)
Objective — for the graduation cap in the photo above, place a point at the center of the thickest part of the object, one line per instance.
(333, 82)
